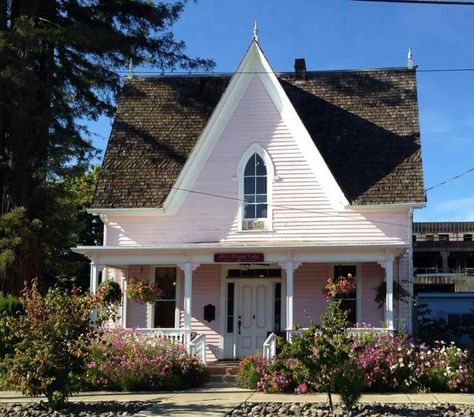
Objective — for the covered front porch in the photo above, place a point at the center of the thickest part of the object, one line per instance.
(225, 302)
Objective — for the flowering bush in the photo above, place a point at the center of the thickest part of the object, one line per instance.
(143, 292)
(278, 375)
(47, 349)
(123, 359)
(396, 363)
(339, 287)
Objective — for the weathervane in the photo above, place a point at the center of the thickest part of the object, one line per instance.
(410, 59)
(255, 32)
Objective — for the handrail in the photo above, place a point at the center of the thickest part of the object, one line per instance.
(269, 347)
(198, 347)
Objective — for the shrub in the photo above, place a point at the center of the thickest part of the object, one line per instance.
(250, 371)
(443, 367)
(9, 305)
(349, 383)
(122, 359)
(49, 344)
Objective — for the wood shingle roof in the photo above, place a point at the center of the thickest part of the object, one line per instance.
(364, 123)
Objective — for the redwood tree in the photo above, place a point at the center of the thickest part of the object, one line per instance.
(59, 62)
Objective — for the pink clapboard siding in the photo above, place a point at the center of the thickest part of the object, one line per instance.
(309, 302)
(207, 290)
(203, 218)
(372, 275)
(137, 313)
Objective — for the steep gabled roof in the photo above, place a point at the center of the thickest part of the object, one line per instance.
(364, 124)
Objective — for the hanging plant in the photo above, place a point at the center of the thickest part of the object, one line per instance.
(339, 287)
(109, 292)
(399, 293)
(143, 292)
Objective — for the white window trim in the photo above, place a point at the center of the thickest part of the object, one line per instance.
(258, 149)
(151, 306)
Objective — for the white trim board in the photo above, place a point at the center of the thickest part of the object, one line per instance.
(254, 62)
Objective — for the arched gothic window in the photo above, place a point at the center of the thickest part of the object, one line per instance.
(255, 189)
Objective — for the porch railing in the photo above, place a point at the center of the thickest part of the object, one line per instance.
(269, 347)
(175, 335)
(198, 347)
(352, 331)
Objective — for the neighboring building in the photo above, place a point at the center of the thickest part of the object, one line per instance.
(240, 195)
(443, 256)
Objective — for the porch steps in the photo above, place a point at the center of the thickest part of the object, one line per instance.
(223, 373)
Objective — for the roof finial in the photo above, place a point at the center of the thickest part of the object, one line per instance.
(410, 64)
(130, 69)
(255, 32)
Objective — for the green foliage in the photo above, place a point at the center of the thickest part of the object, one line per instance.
(59, 63)
(249, 374)
(109, 297)
(399, 293)
(349, 383)
(18, 239)
(9, 305)
(50, 350)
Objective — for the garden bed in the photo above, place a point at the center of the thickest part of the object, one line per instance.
(79, 409)
(360, 410)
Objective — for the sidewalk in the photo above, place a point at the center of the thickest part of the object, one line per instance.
(217, 401)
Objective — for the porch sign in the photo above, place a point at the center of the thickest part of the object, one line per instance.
(238, 257)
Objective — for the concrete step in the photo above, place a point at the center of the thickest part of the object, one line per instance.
(222, 381)
(223, 368)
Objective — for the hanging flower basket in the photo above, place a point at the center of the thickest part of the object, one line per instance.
(109, 292)
(143, 292)
(339, 287)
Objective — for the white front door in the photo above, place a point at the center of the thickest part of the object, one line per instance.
(255, 300)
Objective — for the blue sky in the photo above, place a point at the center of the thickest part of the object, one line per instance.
(344, 34)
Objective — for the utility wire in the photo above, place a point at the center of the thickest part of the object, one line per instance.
(334, 214)
(450, 179)
(437, 2)
(227, 73)
(240, 200)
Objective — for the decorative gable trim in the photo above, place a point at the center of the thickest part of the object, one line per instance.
(254, 62)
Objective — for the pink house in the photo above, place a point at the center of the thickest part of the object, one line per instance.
(240, 195)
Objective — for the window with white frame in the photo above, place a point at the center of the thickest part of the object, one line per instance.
(165, 307)
(255, 211)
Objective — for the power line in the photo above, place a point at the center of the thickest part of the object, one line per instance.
(229, 73)
(334, 214)
(240, 200)
(437, 2)
(450, 179)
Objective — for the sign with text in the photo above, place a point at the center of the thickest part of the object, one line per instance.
(238, 257)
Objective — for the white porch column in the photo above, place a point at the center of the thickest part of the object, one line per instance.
(188, 287)
(389, 294)
(95, 270)
(290, 272)
(124, 299)
(290, 268)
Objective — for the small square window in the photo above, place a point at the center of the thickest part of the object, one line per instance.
(467, 238)
(443, 237)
